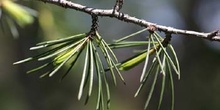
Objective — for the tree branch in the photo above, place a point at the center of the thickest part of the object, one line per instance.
(213, 36)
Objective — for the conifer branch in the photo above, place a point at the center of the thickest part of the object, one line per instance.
(213, 36)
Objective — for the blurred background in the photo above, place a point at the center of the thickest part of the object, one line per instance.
(198, 88)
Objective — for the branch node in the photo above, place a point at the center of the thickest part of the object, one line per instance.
(63, 3)
(152, 28)
(167, 39)
(213, 34)
(121, 16)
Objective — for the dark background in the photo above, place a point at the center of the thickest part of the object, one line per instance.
(198, 88)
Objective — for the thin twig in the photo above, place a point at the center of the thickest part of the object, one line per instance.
(213, 36)
(118, 5)
(94, 26)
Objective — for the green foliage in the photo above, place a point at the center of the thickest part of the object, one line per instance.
(164, 61)
(70, 48)
(63, 50)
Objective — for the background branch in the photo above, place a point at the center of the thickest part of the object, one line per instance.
(213, 36)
